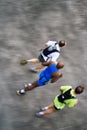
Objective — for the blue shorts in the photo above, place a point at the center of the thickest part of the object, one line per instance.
(42, 80)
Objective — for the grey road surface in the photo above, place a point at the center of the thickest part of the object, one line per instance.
(25, 25)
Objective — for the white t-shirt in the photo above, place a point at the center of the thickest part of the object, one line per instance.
(49, 43)
(54, 55)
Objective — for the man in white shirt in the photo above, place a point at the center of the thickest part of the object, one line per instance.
(51, 52)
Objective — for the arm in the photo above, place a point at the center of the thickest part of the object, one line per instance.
(71, 105)
(55, 77)
(47, 63)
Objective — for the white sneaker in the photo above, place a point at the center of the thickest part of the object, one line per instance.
(39, 114)
(20, 92)
(43, 108)
(33, 70)
(27, 85)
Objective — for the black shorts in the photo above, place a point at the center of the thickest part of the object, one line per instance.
(56, 108)
(41, 58)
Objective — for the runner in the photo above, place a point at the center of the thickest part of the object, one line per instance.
(67, 97)
(51, 52)
(50, 74)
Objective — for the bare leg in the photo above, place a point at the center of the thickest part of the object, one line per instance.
(36, 68)
(32, 86)
(28, 87)
(39, 67)
(50, 110)
(34, 60)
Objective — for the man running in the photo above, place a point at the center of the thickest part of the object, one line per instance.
(50, 52)
(50, 74)
(67, 97)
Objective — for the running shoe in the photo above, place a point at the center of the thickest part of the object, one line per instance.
(20, 92)
(39, 114)
(33, 70)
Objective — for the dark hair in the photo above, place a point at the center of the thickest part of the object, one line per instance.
(62, 43)
(79, 89)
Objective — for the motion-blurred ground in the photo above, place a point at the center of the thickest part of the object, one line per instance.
(25, 25)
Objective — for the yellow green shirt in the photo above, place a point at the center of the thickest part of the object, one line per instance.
(69, 102)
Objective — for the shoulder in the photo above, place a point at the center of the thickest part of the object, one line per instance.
(65, 87)
(50, 43)
(72, 102)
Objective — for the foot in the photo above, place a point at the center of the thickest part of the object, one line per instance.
(23, 62)
(20, 92)
(39, 114)
(43, 108)
(33, 70)
(27, 85)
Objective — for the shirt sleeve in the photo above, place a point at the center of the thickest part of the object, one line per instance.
(50, 43)
(72, 103)
(54, 56)
(65, 88)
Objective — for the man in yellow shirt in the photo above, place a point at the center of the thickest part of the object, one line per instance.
(67, 97)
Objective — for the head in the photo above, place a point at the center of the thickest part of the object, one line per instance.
(60, 65)
(79, 89)
(62, 43)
